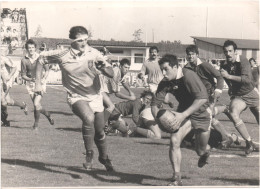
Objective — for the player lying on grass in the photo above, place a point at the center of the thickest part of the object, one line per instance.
(112, 86)
(139, 109)
(193, 111)
(81, 66)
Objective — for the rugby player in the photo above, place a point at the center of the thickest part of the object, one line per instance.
(207, 73)
(8, 70)
(139, 109)
(193, 110)
(81, 66)
(238, 76)
(28, 73)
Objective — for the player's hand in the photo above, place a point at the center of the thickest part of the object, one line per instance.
(100, 64)
(179, 118)
(132, 95)
(217, 94)
(33, 80)
(224, 73)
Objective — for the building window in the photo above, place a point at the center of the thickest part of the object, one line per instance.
(139, 58)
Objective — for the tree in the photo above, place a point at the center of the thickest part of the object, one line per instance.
(38, 32)
(137, 35)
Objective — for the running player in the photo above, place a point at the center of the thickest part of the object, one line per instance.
(28, 73)
(8, 71)
(207, 73)
(238, 76)
(193, 110)
(81, 66)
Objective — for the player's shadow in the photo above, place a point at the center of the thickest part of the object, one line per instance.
(95, 173)
(237, 180)
(63, 113)
(69, 129)
(118, 177)
(39, 166)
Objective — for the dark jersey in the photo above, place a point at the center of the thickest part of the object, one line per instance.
(186, 90)
(241, 68)
(207, 73)
(131, 107)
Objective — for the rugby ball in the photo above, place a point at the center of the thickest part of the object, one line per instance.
(166, 119)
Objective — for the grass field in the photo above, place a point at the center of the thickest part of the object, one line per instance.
(53, 155)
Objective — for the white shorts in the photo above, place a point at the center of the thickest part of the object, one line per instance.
(30, 86)
(95, 101)
(147, 114)
(153, 87)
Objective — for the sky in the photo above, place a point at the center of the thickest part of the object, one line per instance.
(159, 20)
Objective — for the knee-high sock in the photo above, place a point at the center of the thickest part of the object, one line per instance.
(4, 113)
(37, 114)
(141, 131)
(255, 112)
(106, 115)
(88, 136)
(220, 128)
(241, 128)
(101, 146)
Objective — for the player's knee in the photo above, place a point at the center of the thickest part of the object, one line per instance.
(175, 142)
(37, 106)
(110, 108)
(234, 115)
(200, 151)
(153, 135)
(88, 119)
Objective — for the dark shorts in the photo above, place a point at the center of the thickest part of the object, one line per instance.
(202, 121)
(251, 99)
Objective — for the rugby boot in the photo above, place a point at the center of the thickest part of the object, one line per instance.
(175, 183)
(89, 160)
(203, 159)
(107, 163)
(249, 147)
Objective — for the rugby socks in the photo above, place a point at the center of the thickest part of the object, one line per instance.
(45, 112)
(101, 146)
(255, 112)
(141, 131)
(88, 136)
(37, 114)
(106, 115)
(241, 128)
(220, 128)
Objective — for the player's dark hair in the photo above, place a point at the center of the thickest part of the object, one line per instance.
(75, 30)
(125, 61)
(30, 42)
(172, 59)
(146, 93)
(230, 43)
(192, 48)
(152, 48)
(251, 59)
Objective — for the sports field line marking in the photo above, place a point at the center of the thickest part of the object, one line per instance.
(233, 155)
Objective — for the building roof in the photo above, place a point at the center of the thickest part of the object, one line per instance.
(241, 43)
(52, 42)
